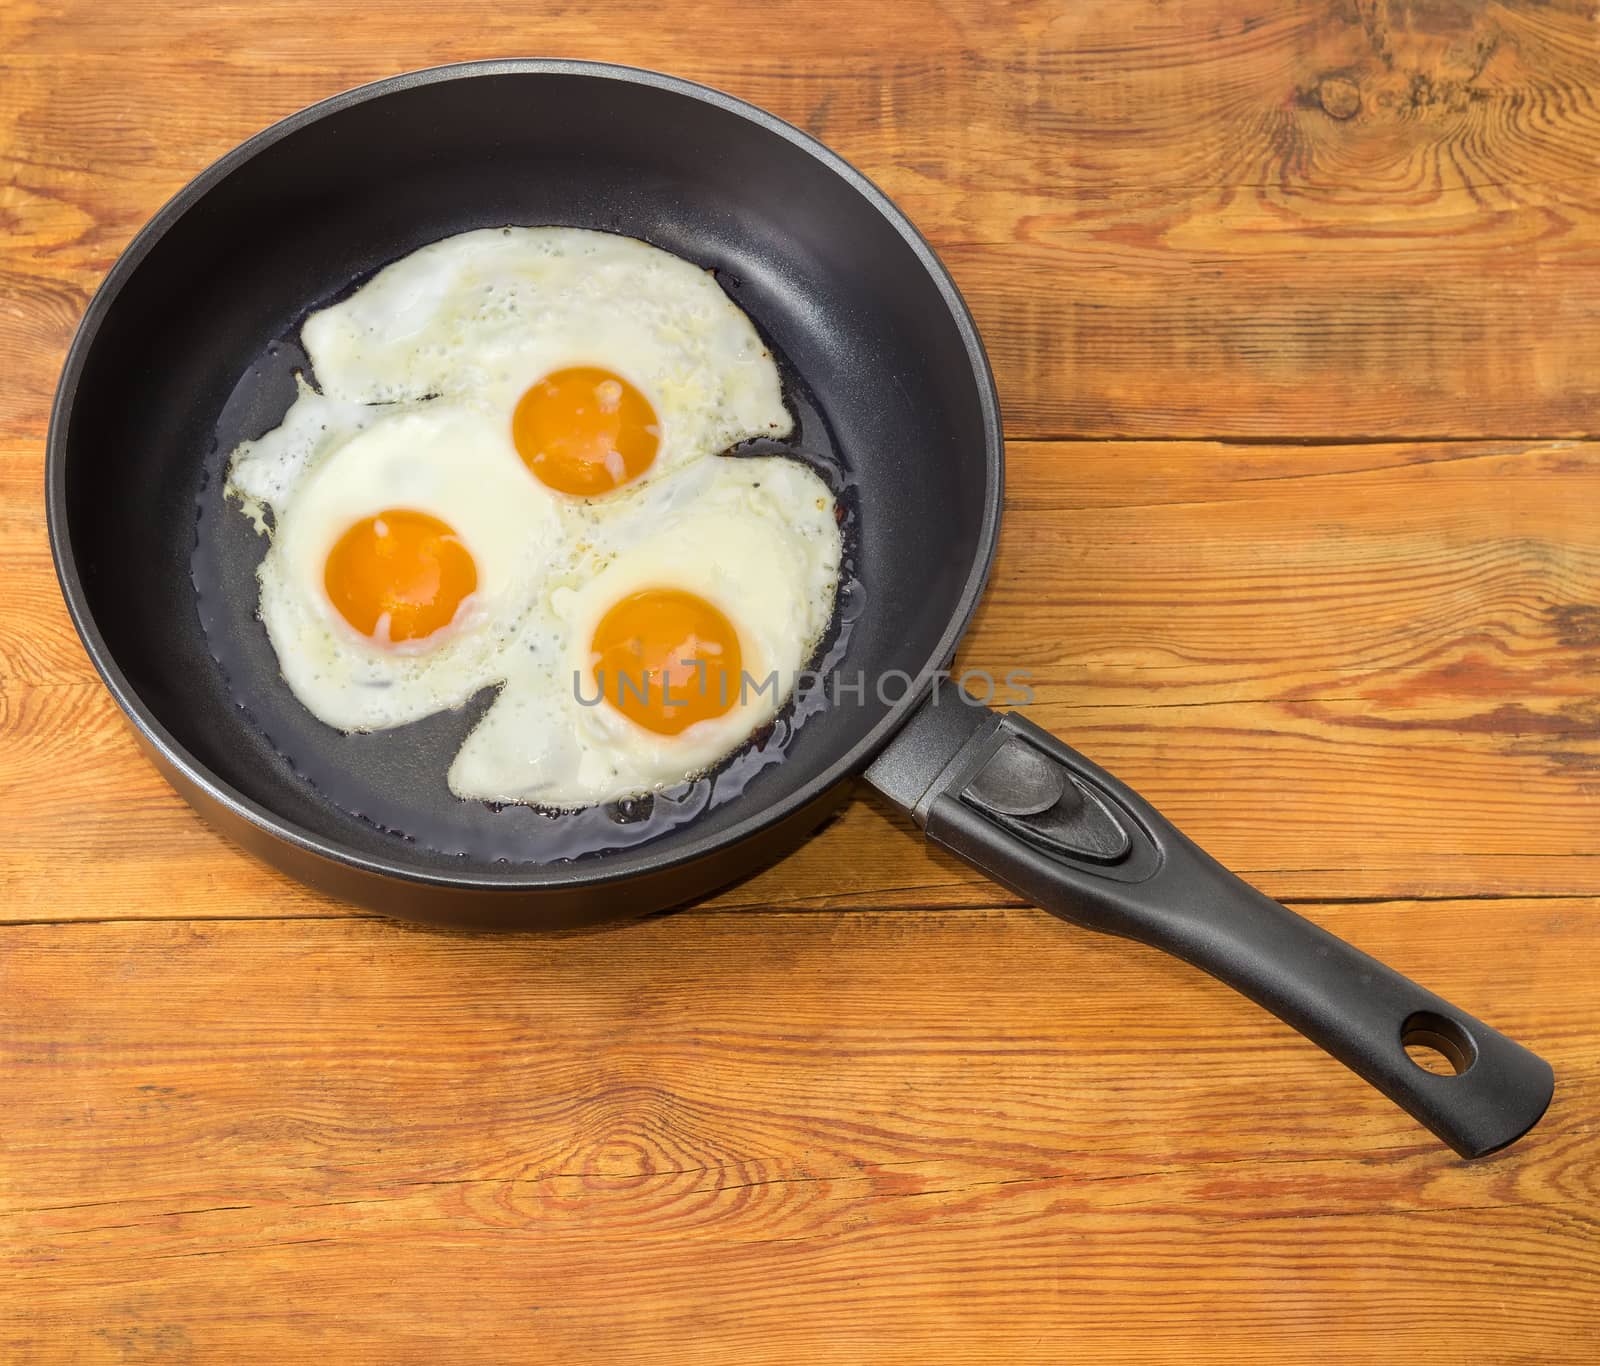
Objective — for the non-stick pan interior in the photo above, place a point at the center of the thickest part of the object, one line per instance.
(890, 381)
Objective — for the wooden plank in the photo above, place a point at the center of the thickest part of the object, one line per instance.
(1349, 671)
(1339, 218)
(779, 1137)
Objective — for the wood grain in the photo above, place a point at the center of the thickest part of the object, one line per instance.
(777, 1137)
(1335, 267)
(1339, 217)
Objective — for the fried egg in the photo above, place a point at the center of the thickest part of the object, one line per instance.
(508, 474)
(402, 565)
(677, 632)
(607, 360)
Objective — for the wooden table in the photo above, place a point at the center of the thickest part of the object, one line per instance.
(1296, 316)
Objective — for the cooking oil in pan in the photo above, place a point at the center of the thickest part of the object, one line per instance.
(395, 779)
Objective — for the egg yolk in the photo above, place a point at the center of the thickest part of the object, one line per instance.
(666, 659)
(401, 575)
(585, 431)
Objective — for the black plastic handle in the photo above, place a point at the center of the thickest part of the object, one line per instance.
(1012, 800)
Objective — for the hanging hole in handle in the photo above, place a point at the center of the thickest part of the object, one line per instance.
(1438, 1045)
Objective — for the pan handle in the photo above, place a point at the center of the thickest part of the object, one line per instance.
(1013, 801)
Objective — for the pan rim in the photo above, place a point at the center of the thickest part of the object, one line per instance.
(606, 869)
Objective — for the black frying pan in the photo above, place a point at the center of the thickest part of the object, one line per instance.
(189, 347)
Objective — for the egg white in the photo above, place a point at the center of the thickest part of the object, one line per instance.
(418, 373)
(264, 473)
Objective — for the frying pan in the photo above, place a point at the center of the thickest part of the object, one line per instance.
(189, 347)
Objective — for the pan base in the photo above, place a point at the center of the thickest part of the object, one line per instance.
(394, 780)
